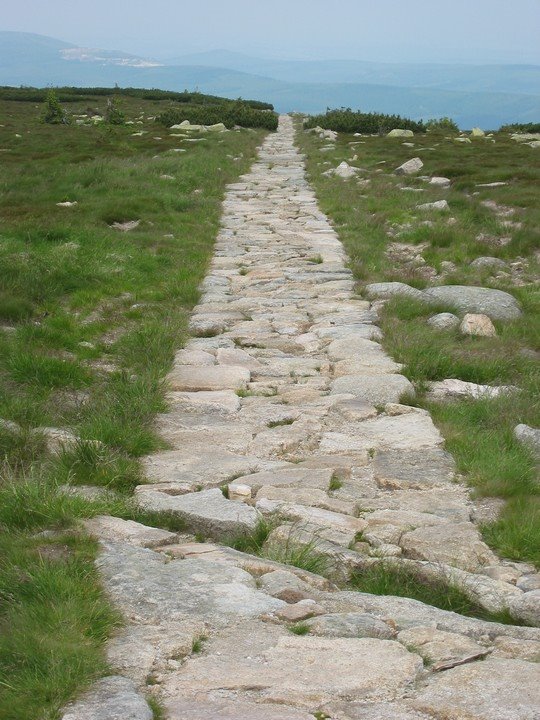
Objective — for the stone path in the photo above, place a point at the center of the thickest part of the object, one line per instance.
(286, 399)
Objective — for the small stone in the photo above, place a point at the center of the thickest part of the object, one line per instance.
(300, 611)
(285, 586)
(438, 205)
(527, 607)
(529, 582)
(384, 290)
(439, 182)
(477, 324)
(410, 167)
(207, 512)
(443, 321)
(487, 262)
(399, 133)
(239, 492)
(528, 436)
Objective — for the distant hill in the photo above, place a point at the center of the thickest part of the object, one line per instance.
(523, 79)
(416, 91)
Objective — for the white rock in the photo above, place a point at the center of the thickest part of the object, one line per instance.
(410, 167)
(477, 324)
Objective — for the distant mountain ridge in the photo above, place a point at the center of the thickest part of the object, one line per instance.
(416, 91)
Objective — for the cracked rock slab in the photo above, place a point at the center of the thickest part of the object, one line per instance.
(111, 698)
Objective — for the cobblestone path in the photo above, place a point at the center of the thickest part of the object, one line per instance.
(284, 407)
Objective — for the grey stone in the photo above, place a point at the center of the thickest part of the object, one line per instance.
(111, 698)
(490, 690)
(496, 304)
(150, 587)
(487, 263)
(527, 607)
(457, 544)
(373, 389)
(443, 321)
(438, 205)
(214, 377)
(418, 469)
(109, 529)
(477, 324)
(383, 290)
(410, 167)
(207, 512)
(185, 709)
(399, 133)
(530, 437)
(285, 586)
(350, 625)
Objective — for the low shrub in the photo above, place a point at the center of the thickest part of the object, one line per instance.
(444, 124)
(228, 113)
(348, 121)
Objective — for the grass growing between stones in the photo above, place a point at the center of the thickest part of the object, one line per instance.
(90, 318)
(396, 580)
(375, 218)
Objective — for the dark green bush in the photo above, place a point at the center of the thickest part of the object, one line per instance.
(53, 113)
(74, 94)
(521, 127)
(348, 121)
(444, 124)
(228, 112)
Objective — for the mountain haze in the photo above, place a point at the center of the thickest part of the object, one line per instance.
(473, 95)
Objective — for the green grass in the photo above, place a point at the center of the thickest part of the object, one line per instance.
(368, 219)
(397, 580)
(299, 629)
(53, 623)
(91, 318)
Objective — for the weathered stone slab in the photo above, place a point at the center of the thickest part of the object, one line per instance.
(354, 625)
(417, 469)
(111, 698)
(490, 690)
(213, 377)
(373, 389)
(207, 512)
(184, 709)
(113, 529)
(496, 304)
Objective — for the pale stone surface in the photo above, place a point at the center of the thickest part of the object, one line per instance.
(285, 586)
(353, 625)
(184, 709)
(437, 205)
(193, 378)
(207, 512)
(496, 304)
(529, 436)
(490, 690)
(452, 388)
(399, 133)
(388, 289)
(527, 607)
(373, 389)
(458, 545)
(477, 324)
(324, 669)
(410, 167)
(439, 647)
(300, 611)
(107, 528)
(112, 698)
(443, 321)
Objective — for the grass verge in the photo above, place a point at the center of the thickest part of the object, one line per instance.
(90, 318)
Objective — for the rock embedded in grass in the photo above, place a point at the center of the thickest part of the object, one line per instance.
(441, 205)
(496, 304)
(207, 512)
(111, 697)
(528, 436)
(410, 167)
(443, 321)
(477, 324)
(385, 290)
(400, 133)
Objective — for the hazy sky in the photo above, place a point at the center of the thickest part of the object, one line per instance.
(395, 30)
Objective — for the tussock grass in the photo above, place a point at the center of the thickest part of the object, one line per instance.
(92, 318)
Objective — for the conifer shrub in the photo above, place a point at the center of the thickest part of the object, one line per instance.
(443, 124)
(53, 112)
(349, 121)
